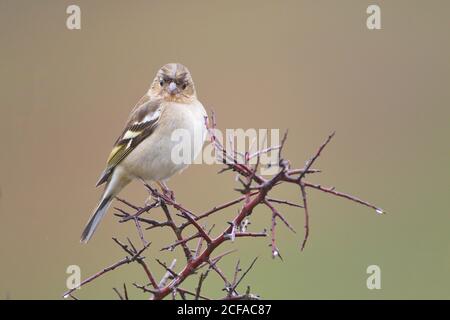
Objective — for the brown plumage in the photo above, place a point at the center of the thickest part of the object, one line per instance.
(143, 149)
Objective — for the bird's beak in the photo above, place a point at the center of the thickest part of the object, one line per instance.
(172, 88)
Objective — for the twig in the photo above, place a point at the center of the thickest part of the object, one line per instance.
(121, 262)
(168, 269)
(305, 209)
(125, 291)
(118, 293)
(167, 275)
(314, 158)
(284, 202)
(332, 191)
(179, 242)
(200, 282)
(245, 273)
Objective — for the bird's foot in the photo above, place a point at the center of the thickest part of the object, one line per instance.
(166, 191)
(169, 193)
(151, 199)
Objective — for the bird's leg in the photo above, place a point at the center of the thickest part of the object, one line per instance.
(151, 198)
(165, 189)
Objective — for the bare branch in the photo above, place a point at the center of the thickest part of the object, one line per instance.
(314, 158)
(256, 190)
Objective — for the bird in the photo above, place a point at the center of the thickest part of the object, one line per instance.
(144, 149)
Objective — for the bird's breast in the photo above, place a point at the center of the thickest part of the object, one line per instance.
(175, 143)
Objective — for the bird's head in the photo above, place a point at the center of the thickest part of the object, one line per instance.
(173, 82)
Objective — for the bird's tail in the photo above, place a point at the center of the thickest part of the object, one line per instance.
(116, 182)
(96, 217)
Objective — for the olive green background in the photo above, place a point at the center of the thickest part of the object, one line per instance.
(310, 66)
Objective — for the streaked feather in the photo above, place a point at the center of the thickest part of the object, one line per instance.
(140, 125)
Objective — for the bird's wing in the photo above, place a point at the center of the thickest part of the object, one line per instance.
(141, 124)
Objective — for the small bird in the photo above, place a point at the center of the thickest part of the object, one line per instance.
(145, 147)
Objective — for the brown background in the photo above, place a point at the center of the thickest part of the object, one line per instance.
(310, 66)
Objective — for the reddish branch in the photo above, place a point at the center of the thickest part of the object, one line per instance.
(255, 190)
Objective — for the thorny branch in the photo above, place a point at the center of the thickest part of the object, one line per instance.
(254, 191)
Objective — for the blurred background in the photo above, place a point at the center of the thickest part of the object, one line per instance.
(308, 66)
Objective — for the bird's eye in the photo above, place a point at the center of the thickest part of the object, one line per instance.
(184, 86)
(161, 82)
